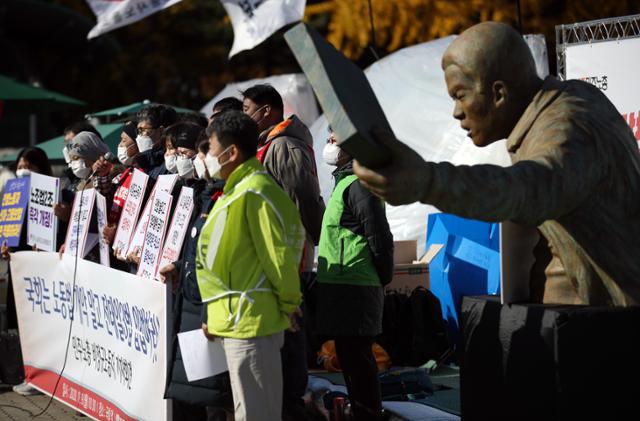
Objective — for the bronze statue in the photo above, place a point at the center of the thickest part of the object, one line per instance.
(575, 173)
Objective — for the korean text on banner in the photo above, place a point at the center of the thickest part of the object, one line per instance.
(101, 214)
(115, 14)
(154, 235)
(116, 365)
(254, 21)
(15, 200)
(78, 229)
(177, 229)
(42, 224)
(164, 183)
(611, 66)
(130, 212)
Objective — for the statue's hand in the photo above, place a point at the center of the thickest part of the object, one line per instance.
(403, 181)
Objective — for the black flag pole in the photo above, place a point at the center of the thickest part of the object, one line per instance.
(373, 45)
(519, 16)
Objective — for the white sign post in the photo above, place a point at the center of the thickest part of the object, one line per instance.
(154, 235)
(101, 213)
(78, 229)
(177, 229)
(116, 364)
(42, 224)
(130, 212)
(165, 184)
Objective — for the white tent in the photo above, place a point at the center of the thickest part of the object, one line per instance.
(296, 93)
(410, 87)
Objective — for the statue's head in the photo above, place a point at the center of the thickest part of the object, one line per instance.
(491, 75)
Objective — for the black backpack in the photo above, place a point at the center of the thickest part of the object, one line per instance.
(413, 330)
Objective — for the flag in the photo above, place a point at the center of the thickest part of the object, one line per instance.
(255, 20)
(113, 14)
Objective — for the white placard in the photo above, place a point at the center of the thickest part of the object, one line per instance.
(116, 363)
(201, 357)
(165, 183)
(516, 260)
(612, 67)
(130, 212)
(154, 234)
(177, 229)
(78, 228)
(42, 224)
(101, 214)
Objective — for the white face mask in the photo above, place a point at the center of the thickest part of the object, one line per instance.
(144, 142)
(185, 166)
(65, 153)
(330, 153)
(23, 172)
(123, 155)
(213, 165)
(80, 169)
(170, 163)
(200, 167)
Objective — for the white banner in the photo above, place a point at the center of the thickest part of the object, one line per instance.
(116, 364)
(255, 20)
(101, 213)
(130, 212)
(79, 221)
(113, 14)
(42, 225)
(177, 229)
(154, 234)
(164, 183)
(612, 66)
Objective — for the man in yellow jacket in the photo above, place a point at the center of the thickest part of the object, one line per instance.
(247, 267)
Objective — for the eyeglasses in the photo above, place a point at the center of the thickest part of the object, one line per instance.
(145, 130)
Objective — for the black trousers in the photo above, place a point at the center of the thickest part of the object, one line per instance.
(361, 376)
(294, 373)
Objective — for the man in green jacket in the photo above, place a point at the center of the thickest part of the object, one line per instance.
(247, 267)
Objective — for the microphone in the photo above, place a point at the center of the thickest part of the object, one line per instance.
(108, 156)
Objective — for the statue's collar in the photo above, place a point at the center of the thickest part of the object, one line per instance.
(550, 90)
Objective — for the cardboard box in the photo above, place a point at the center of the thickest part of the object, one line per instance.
(409, 273)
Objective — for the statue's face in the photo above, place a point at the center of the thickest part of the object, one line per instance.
(474, 106)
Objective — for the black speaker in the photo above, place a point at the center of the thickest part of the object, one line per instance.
(549, 362)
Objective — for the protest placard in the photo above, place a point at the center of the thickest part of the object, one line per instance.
(154, 234)
(101, 214)
(130, 212)
(165, 183)
(177, 229)
(15, 200)
(42, 224)
(116, 364)
(76, 239)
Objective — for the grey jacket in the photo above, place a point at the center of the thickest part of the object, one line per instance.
(291, 162)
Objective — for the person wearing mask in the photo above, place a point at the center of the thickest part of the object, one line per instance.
(127, 154)
(30, 160)
(355, 261)
(170, 156)
(69, 182)
(247, 262)
(204, 399)
(285, 147)
(152, 120)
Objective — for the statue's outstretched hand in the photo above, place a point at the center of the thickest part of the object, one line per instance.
(401, 182)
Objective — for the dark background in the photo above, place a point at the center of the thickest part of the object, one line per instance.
(179, 55)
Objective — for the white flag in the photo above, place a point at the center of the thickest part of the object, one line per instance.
(255, 20)
(113, 14)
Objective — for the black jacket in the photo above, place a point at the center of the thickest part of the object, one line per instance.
(187, 305)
